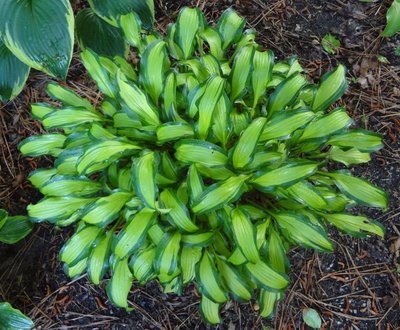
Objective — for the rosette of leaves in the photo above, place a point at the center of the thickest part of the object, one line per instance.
(205, 162)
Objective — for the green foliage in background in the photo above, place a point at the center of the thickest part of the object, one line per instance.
(392, 19)
(13, 319)
(205, 162)
(13, 229)
(40, 34)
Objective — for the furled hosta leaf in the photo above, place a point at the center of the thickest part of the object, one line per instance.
(145, 178)
(96, 34)
(282, 124)
(67, 97)
(299, 229)
(75, 270)
(174, 131)
(153, 67)
(178, 214)
(40, 176)
(45, 144)
(245, 235)
(214, 41)
(284, 176)
(131, 27)
(100, 154)
(200, 239)
(247, 143)
(262, 72)
(120, 284)
(393, 20)
(306, 194)
(286, 93)
(97, 263)
(267, 300)
(222, 127)
(167, 254)
(358, 226)
(68, 185)
(235, 281)
(202, 152)
(70, 117)
(266, 277)
(13, 229)
(11, 318)
(207, 104)
(327, 125)
(241, 72)
(348, 157)
(44, 35)
(137, 102)
(209, 280)
(132, 236)
(190, 256)
(105, 209)
(141, 264)
(79, 245)
(189, 22)
(195, 183)
(360, 190)
(219, 194)
(230, 26)
(210, 310)
(13, 74)
(93, 65)
(332, 87)
(360, 139)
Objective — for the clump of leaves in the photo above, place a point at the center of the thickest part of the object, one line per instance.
(205, 162)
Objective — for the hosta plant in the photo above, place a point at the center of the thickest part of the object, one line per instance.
(205, 162)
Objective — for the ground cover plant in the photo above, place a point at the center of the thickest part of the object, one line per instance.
(205, 162)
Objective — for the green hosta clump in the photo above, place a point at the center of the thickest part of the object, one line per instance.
(203, 163)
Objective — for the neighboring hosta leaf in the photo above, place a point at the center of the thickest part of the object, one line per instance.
(105, 209)
(120, 284)
(202, 152)
(45, 144)
(11, 318)
(241, 72)
(267, 300)
(266, 277)
(131, 27)
(189, 22)
(360, 139)
(210, 310)
(393, 19)
(94, 33)
(330, 43)
(13, 74)
(69, 118)
(245, 235)
(132, 236)
(153, 66)
(68, 185)
(145, 178)
(67, 97)
(298, 228)
(306, 194)
(174, 131)
(14, 229)
(145, 10)
(167, 254)
(230, 26)
(358, 226)
(97, 263)
(262, 72)
(360, 190)
(332, 87)
(348, 157)
(220, 194)
(312, 318)
(209, 280)
(190, 256)
(79, 245)
(247, 143)
(75, 270)
(284, 176)
(141, 264)
(44, 35)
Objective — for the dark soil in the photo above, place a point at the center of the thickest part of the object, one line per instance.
(357, 287)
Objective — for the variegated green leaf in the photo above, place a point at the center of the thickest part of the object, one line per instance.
(189, 22)
(210, 310)
(45, 144)
(167, 254)
(267, 300)
(145, 178)
(174, 131)
(262, 72)
(202, 152)
(266, 277)
(67, 97)
(214, 41)
(11, 318)
(67, 185)
(131, 27)
(348, 157)
(97, 263)
(190, 256)
(120, 284)
(240, 74)
(13, 229)
(141, 264)
(230, 26)
(305, 193)
(69, 118)
(359, 139)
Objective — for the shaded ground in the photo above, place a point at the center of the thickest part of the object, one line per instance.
(357, 287)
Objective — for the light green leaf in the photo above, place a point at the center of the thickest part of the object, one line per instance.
(393, 20)
(13, 319)
(201, 152)
(198, 239)
(45, 144)
(178, 215)
(190, 256)
(97, 263)
(94, 33)
(141, 264)
(284, 176)
(262, 72)
(209, 280)
(120, 284)
(67, 185)
(220, 194)
(348, 157)
(13, 229)
(174, 131)
(167, 254)
(75, 270)
(330, 43)
(266, 277)
(134, 233)
(194, 183)
(214, 40)
(79, 245)
(145, 178)
(131, 26)
(44, 35)
(240, 73)
(332, 87)
(277, 253)
(245, 147)
(230, 26)
(245, 235)
(210, 310)
(40, 176)
(360, 139)
(267, 300)
(13, 74)
(298, 228)
(360, 190)
(67, 96)
(105, 209)
(69, 118)
(305, 193)
(312, 318)
(188, 23)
